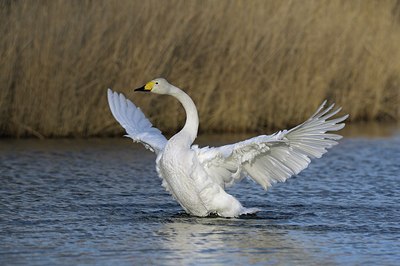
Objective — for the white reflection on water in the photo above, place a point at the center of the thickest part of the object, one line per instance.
(237, 241)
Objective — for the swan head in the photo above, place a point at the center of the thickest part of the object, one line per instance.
(158, 85)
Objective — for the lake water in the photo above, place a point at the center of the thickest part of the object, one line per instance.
(100, 202)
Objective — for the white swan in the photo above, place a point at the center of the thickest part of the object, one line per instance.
(196, 177)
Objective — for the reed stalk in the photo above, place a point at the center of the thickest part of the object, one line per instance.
(250, 66)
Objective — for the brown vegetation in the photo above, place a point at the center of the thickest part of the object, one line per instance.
(249, 65)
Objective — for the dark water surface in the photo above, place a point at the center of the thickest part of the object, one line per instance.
(100, 202)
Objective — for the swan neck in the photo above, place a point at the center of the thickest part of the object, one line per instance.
(192, 118)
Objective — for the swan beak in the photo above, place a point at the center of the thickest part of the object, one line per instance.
(148, 87)
(140, 89)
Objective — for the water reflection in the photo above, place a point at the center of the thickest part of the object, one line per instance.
(241, 241)
(100, 202)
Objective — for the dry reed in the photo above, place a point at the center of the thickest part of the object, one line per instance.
(249, 65)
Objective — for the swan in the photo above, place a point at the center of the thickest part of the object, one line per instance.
(197, 177)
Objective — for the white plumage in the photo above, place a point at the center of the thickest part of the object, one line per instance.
(196, 177)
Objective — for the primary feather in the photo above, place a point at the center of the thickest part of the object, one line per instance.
(137, 126)
(274, 158)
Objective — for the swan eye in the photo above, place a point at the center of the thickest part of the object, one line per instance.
(156, 83)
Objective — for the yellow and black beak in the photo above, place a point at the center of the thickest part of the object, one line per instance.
(146, 88)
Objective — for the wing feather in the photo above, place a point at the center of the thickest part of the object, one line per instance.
(274, 158)
(136, 125)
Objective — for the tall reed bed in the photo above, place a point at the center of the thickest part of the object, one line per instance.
(250, 66)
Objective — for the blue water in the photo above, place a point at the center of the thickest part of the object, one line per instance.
(100, 202)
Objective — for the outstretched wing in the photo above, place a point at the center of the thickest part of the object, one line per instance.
(273, 158)
(137, 126)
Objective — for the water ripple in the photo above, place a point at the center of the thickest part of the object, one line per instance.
(101, 202)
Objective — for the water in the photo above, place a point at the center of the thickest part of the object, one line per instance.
(100, 202)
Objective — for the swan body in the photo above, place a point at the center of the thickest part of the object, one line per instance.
(197, 177)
